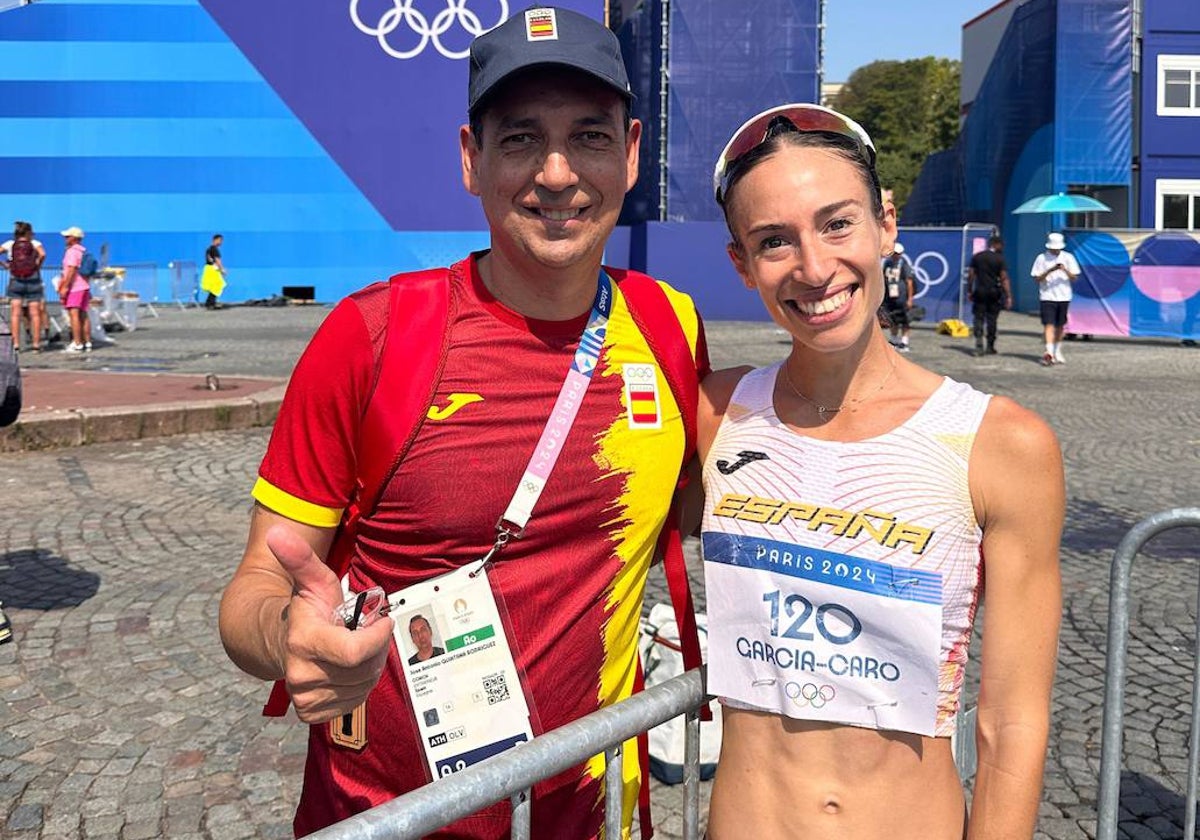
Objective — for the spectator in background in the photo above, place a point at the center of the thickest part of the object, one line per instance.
(989, 291)
(75, 291)
(898, 294)
(208, 282)
(23, 257)
(1054, 270)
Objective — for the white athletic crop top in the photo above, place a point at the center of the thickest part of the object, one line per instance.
(842, 578)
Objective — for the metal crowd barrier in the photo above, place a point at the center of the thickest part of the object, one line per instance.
(141, 279)
(511, 774)
(1114, 680)
(185, 283)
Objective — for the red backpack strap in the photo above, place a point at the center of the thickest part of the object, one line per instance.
(417, 322)
(656, 319)
(418, 314)
(659, 324)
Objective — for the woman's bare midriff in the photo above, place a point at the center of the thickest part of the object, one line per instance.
(783, 779)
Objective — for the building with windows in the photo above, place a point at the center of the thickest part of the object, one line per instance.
(1170, 123)
(1098, 97)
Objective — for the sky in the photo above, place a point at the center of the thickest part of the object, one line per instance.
(858, 32)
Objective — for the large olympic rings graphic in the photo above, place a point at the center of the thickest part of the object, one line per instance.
(809, 694)
(402, 13)
(923, 276)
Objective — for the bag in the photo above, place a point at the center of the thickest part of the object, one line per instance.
(88, 266)
(10, 379)
(916, 313)
(953, 328)
(23, 260)
(212, 280)
(663, 658)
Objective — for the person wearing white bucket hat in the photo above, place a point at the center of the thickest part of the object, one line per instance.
(1054, 270)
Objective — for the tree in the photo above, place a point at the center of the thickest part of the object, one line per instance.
(910, 109)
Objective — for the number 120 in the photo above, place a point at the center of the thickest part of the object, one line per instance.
(794, 604)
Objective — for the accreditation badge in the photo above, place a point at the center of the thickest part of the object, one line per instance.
(462, 680)
(816, 635)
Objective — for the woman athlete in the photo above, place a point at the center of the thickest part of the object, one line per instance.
(857, 508)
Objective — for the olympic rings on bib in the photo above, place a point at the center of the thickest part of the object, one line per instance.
(809, 694)
(403, 14)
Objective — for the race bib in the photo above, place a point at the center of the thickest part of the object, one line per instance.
(462, 680)
(816, 635)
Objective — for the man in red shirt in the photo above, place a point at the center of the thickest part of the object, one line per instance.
(589, 463)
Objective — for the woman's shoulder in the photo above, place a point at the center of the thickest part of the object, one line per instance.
(718, 387)
(1013, 439)
(716, 390)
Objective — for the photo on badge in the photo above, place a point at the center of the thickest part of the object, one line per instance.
(425, 638)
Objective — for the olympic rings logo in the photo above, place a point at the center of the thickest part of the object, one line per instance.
(809, 694)
(403, 14)
(923, 276)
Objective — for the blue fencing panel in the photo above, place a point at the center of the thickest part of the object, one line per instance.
(725, 61)
(1093, 137)
(641, 46)
(692, 257)
(1136, 283)
(938, 196)
(1006, 146)
(729, 61)
(940, 257)
(1001, 158)
(1013, 103)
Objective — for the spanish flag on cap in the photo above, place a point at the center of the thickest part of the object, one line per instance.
(541, 25)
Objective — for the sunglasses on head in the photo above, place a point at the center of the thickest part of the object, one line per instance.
(801, 117)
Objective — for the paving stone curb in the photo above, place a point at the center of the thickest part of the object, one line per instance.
(75, 427)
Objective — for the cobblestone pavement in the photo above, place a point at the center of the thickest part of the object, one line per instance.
(121, 716)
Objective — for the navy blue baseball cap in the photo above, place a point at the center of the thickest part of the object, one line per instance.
(545, 35)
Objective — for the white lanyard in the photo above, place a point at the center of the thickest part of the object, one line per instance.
(545, 455)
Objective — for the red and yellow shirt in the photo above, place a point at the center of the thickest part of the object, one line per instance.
(572, 586)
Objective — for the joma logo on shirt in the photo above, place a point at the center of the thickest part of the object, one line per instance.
(881, 527)
(746, 456)
(453, 403)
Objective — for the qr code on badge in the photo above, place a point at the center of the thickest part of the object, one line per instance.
(496, 687)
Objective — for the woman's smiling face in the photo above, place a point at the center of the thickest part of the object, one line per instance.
(806, 238)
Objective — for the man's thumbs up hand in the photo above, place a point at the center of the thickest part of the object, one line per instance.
(329, 670)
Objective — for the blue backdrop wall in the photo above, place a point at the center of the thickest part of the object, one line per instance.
(320, 138)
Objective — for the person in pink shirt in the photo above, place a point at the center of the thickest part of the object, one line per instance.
(75, 292)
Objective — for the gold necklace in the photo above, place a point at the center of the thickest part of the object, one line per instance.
(822, 410)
